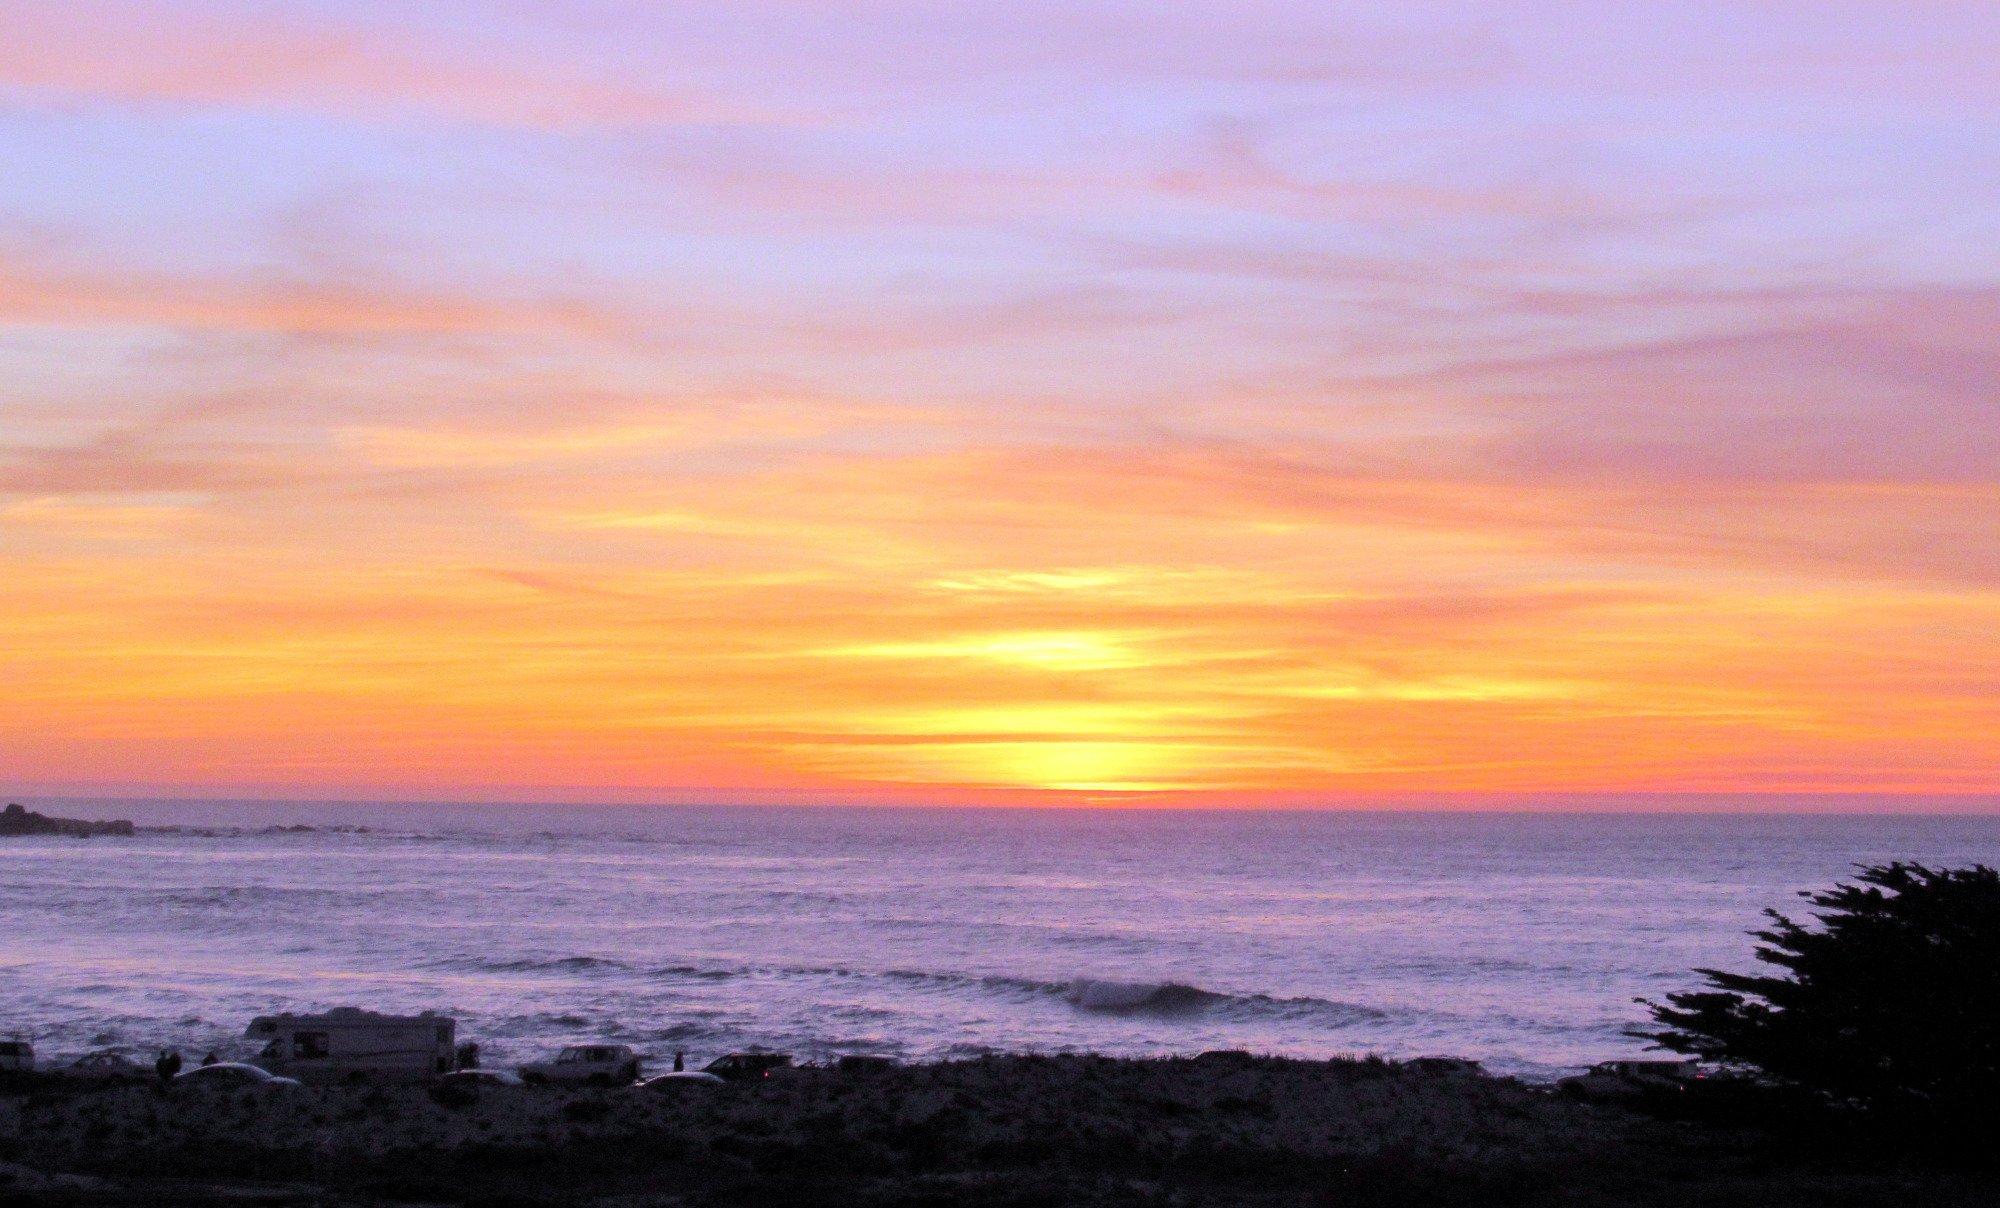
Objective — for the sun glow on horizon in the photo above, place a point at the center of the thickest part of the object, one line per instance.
(1231, 403)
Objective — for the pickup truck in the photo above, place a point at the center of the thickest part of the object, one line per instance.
(587, 1064)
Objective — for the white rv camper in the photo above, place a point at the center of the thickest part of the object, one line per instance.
(349, 1044)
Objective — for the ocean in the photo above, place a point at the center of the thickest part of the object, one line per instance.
(1520, 940)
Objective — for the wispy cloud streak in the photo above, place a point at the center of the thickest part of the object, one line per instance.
(1239, 403)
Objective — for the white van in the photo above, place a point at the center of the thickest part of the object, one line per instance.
(347, 1044)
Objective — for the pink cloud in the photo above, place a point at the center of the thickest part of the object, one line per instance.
(1904, 387)
(1231, 164)
(268, 61)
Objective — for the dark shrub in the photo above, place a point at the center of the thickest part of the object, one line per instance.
(1890, 1005)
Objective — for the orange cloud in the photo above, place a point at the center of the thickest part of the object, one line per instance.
(958, 625)
(39, 293)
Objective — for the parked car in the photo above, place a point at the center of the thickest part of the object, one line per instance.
(1460, 1067)
(107, 1066)
(233, 1073)
(589, 1064)
(482, 1078)
(17, 1057)
(462, 1088)
(748, 1067)
(1631, 1079)
(681, 1080)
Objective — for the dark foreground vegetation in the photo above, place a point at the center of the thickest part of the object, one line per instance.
(1884, 1007)
(999, 1131)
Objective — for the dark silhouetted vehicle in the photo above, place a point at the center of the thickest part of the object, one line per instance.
(1631, 1079)
(748, 1067)
(232, 1073)
(482, 1078)
(462, 1088)
(681, 1080)
(106, 1067)
(17, 1057)
(1456, 1066)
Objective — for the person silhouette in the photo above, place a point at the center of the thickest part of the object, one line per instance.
(680, 1061)
(211, 1059)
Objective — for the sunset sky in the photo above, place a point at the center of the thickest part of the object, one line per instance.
(1235, 403)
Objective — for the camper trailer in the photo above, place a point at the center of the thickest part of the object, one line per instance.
(351, 1045)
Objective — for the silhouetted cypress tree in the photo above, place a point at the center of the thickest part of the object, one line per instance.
(1890, 1004)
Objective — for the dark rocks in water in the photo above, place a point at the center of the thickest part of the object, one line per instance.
(18, 820)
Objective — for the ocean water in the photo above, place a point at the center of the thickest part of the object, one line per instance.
(1517, 939)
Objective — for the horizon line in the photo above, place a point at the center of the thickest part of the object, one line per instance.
(1657, 803)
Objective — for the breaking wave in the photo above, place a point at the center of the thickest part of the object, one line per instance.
(1176, 999)
(1141, 998)
(1161, 999)
(698, 972)
(554, 964)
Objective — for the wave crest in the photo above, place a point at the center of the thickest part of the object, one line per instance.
(554, 964)
(1140, 998)
(1163, 999)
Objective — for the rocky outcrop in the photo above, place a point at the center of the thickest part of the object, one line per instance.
(18, 820)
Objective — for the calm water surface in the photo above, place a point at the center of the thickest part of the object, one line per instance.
(1517, 939)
